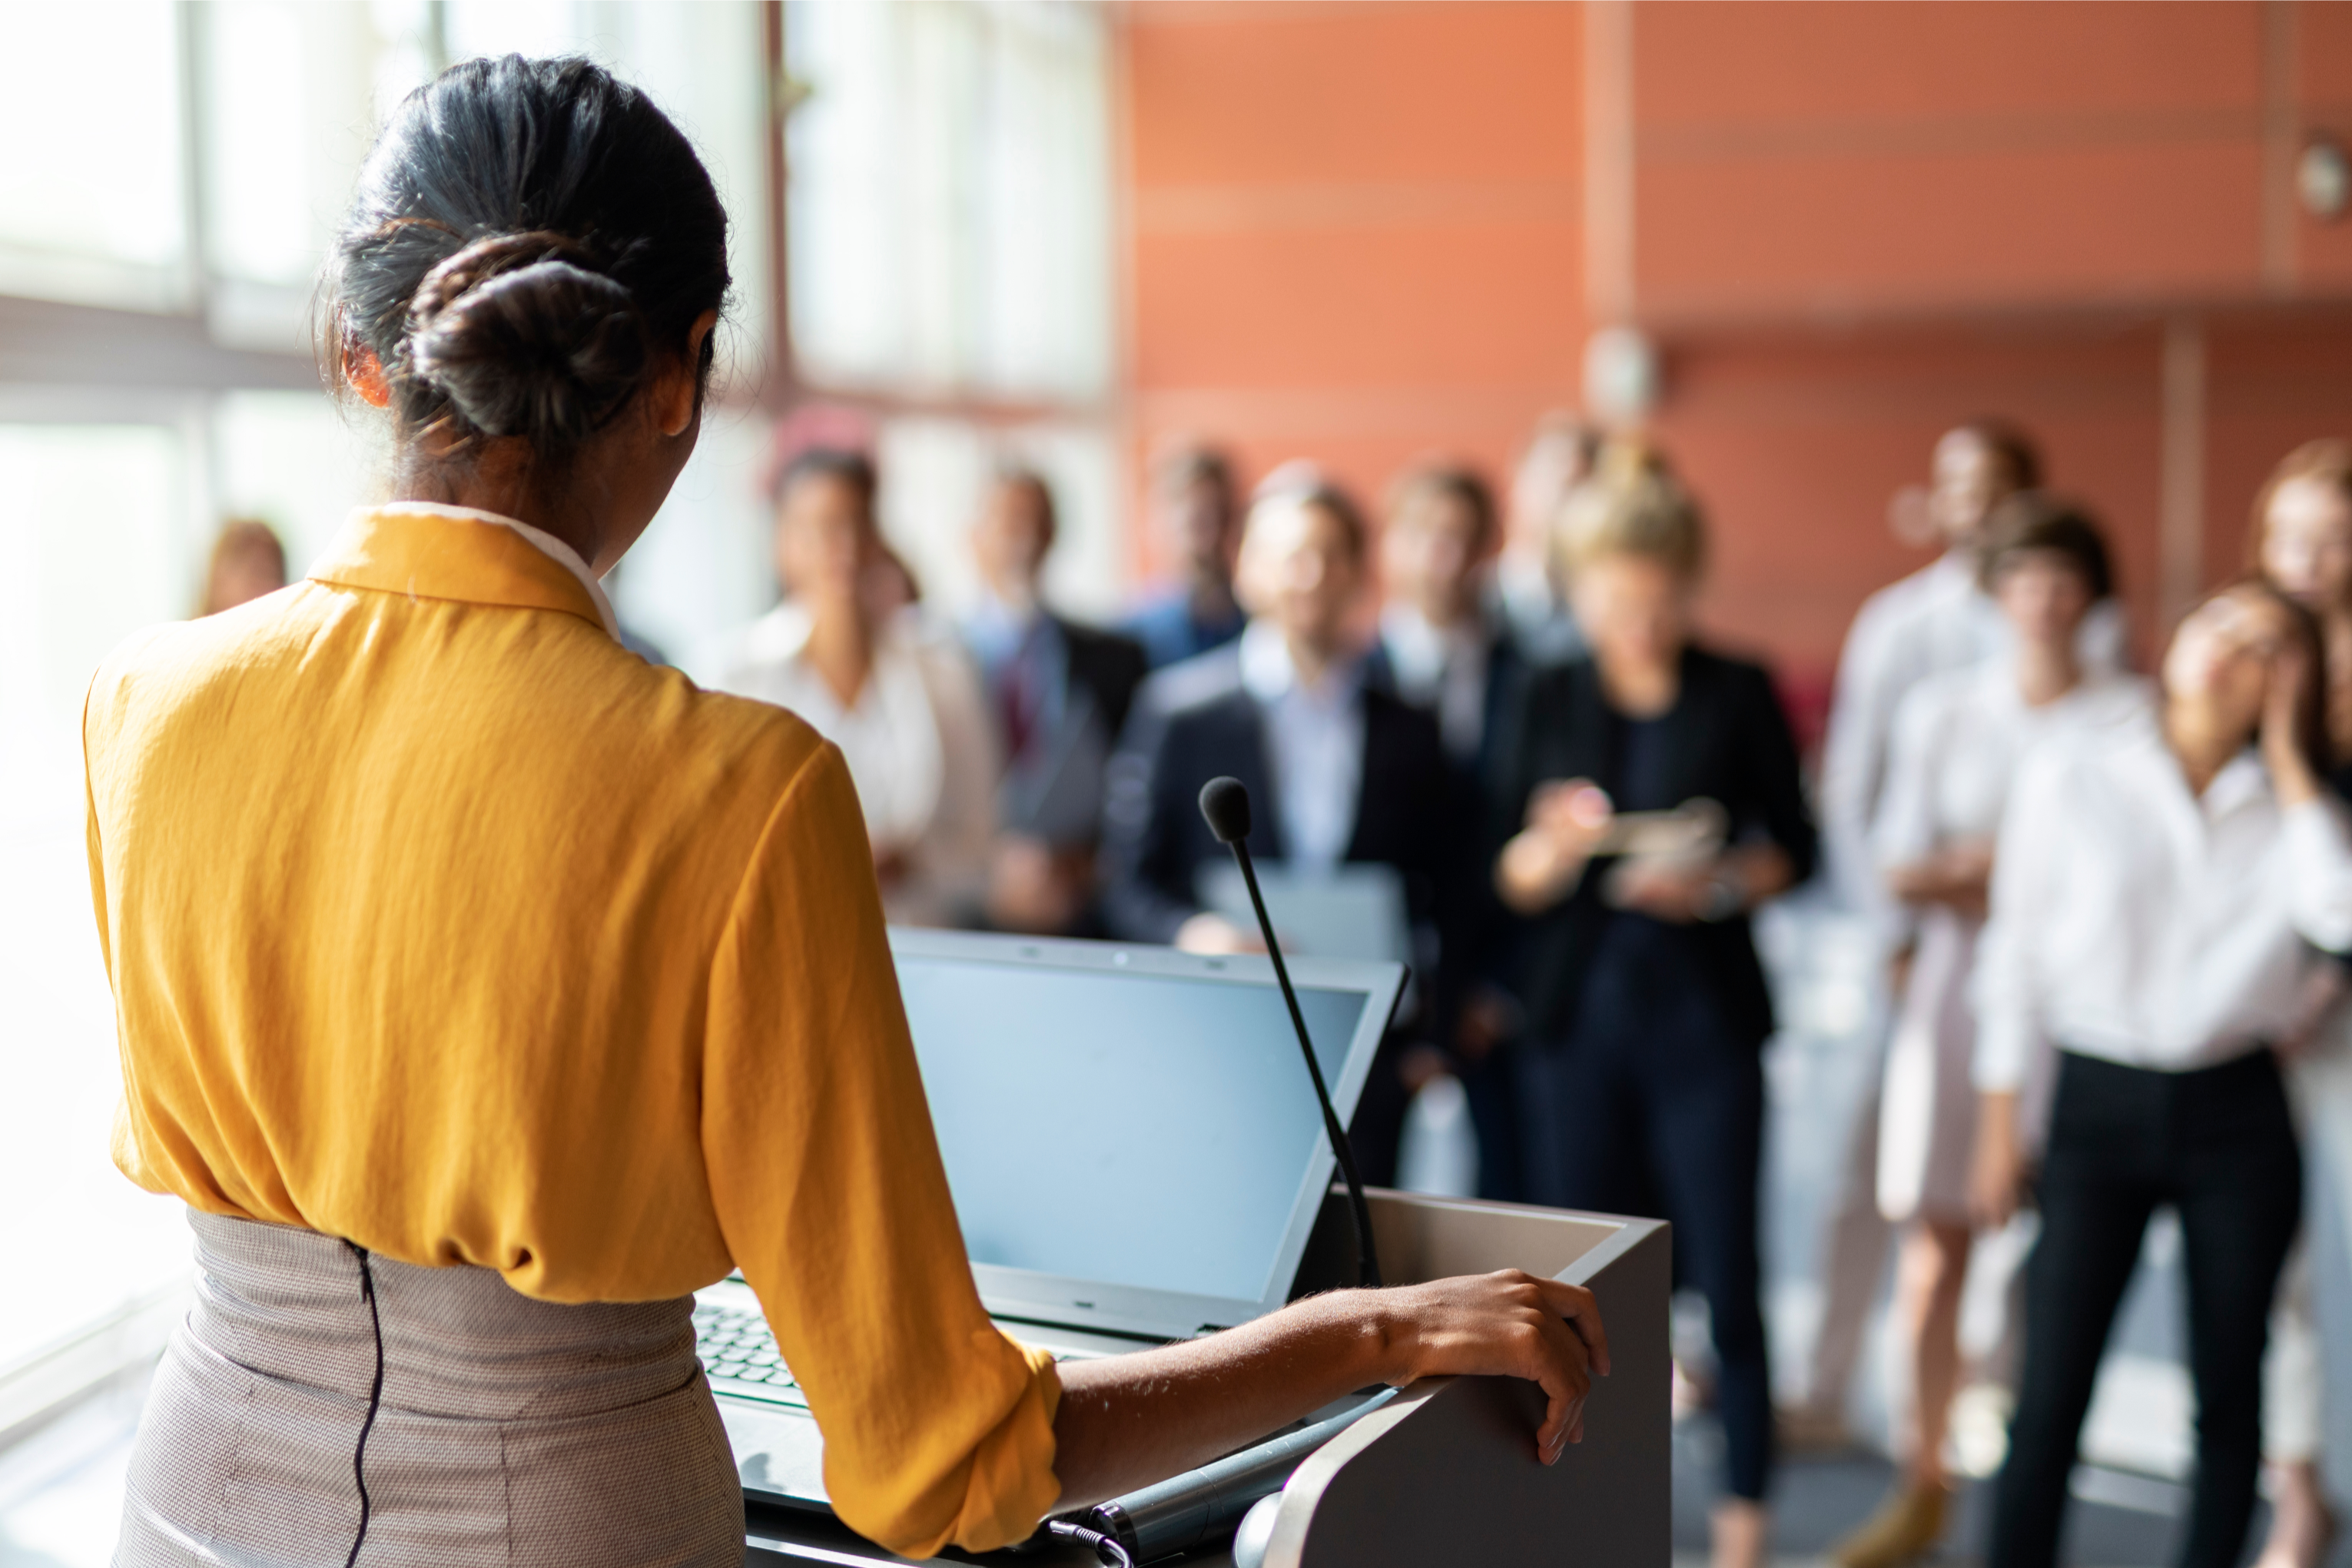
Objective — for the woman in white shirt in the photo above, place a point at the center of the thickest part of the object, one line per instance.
(2160, 882)
(904, 708)
(1957, 738)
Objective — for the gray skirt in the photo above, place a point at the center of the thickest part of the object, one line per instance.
(509, 1430)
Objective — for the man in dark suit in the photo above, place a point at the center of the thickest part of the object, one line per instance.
(1443, 648)
(1340, 773)
(1059, 692)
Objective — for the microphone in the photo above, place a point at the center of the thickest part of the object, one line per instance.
(1226, 804)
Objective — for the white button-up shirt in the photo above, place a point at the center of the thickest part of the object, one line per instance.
(1314, 743)
(1934, 621)
(916, 740)
(1442, 669)
(2134, 921)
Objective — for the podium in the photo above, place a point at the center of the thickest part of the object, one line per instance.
(1447, 1472)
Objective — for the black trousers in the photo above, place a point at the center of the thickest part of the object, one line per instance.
(1653, 1107)
(2219, 1145)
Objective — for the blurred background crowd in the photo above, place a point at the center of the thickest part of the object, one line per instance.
(1793, 560)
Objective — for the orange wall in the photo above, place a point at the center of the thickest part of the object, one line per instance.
(1355, 229)
(1359, 233)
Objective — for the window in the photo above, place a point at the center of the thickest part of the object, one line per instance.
(949, 233)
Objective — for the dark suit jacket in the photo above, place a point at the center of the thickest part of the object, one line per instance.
(1108, 667)
(1196, 721)
(1485, 936)
(1726, 739)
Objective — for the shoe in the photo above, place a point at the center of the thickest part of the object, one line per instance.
(1909, 1522)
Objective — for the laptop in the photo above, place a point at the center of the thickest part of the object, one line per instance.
(1348, 911)
(1175, 1196)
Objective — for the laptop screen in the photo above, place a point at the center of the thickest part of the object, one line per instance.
(1140, 1129)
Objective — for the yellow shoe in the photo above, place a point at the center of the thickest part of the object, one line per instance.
(1907, 1524)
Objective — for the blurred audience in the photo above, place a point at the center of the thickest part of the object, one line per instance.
(1957, 741)
(1342, 773)
(1446, 648)
(1528, 591)
(905, 709)
(1656, 787)
(1195, 512)
(246, 562)
(1059, 693)
(2302, 542)
(2158, 885)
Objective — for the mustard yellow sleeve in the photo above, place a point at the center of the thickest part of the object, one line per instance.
(828, 1188)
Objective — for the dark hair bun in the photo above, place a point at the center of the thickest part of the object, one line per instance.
(526, 336)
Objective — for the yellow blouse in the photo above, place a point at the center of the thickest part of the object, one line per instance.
(439, 921)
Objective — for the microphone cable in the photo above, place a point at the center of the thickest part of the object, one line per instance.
(375, 1399)
(1107, 1548)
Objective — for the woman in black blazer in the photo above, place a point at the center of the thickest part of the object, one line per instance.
(1643, 1087)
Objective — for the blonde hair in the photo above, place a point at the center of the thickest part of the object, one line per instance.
(1634, 506)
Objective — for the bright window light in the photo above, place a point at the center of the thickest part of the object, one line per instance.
(90, 194)
(93, 533)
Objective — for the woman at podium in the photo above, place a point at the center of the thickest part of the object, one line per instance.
(484, 990)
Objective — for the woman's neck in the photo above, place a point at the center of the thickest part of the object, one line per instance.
(2198, 742)
(2046, 672)
(841, 648)
(1640, 687)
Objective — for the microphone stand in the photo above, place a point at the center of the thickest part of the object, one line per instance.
(1222, 801)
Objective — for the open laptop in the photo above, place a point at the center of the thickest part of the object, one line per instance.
(1185, 1164)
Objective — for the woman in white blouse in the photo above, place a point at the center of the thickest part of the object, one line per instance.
(1957, 738)
(2161, 884)
(904, 708)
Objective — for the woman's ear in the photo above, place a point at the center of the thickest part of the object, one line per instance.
(364, 374)
(674, 390)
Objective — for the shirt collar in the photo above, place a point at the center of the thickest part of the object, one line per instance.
(1269, 675)
(427, 550)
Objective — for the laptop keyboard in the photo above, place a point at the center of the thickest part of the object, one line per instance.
(737, 1350)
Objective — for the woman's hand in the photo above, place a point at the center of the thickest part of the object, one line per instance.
(1717, 887)
(1567, 819)
(1959, 876)
(1997, 1177)
(1127, 1421)
(2291, 778)
(1510, 1325)
(1209, 932)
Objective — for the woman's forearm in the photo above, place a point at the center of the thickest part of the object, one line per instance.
(1127, 1421)
(1130, 1420)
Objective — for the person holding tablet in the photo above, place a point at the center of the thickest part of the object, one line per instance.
(484, 989)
